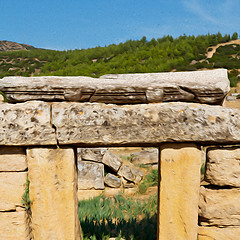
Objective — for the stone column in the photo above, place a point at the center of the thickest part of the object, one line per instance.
(53, 192)
(179, 191)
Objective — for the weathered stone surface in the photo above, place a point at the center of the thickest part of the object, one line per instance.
(179, 191)
(90, 175)
(12, 159)
(91, 154)
(112, 161)
(26, 124)
(127, 184)
(11, 189)
(53, 192)
(146, 157)
(219, 207)
(223, 166)
(130, 173)
(112, 181)
(12, 226)
(102, 124)
(198, 86)
(213, 233)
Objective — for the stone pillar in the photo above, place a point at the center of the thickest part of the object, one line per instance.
(179, 191)
(53, 192)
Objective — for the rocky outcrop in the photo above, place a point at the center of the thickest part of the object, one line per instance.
(223, 166)
(199, 86)
(102, 124)
(26, 124)
(13, 46)
(219, 207)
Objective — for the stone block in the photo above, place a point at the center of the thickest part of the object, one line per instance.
(179, 191)
(12, 226)
(214, 233)
(12, 159)
(130, 173)
(90, 175)
(219, 207)
(53, 192)
(223, 166)
(146, 157)
(112, 181)
(91, 154)
(26, 124)
(12, 187)
(103, 125)
(111, 160)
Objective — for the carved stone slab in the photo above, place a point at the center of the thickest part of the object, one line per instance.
(107, 124)
(199, 86)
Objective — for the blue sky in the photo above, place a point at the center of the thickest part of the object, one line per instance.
(71, 24)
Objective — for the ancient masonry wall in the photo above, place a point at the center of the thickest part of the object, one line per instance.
(52, 128)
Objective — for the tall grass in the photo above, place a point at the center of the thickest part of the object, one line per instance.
(102, 218)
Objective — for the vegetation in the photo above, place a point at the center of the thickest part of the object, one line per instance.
(102, 218)
(149, 180)
(25, 197)
(164, 54)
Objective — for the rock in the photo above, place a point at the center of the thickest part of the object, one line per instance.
(90, 175)
(146, 157)
(112, 181)
(91, 154)
(213, 233)
(219, 207)
(12, 159)
(103, 125)
(26, 124)
(53, 192)
(111, 160)
(223, 166)
(130, 173)
(11, 189)
(198, 86)
(13, 225)
(127, 184)
(179, 191)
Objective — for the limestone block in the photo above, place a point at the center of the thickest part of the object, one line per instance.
(112, 161)
(223, 167)
(26, 124)
(146, 157)
(53, 192)
(90, 175)
(91, 154)
(130, 173)
(179, 191)
(12, 225)
(112, 181)
(11, 189)
(219, 207)
(102, 124)
(213, 233)
(198, 86)
(12, 159)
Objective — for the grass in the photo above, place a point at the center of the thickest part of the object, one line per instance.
(121, 217)
(149, 180)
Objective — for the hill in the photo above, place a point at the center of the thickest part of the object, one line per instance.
(13, 46)
(185, 53)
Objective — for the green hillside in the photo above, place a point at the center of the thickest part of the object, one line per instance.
(185, 53)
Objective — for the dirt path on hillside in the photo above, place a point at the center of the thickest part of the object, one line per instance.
(214, 48)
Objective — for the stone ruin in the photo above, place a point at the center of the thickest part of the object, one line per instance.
(48, 121)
